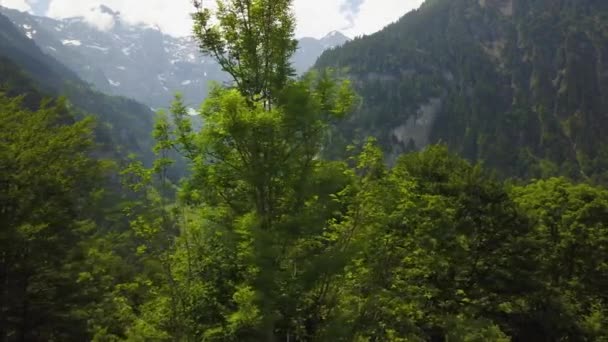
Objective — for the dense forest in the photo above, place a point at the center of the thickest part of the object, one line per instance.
(278, 231)
(518, 84)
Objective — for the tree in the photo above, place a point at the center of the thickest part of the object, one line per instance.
(46, 179)
(262, 199)
(249, 259)
(440, 250)
(253, 41)
(570, 232)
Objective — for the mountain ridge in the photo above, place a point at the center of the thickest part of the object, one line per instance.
(124, 125)
(139, 61)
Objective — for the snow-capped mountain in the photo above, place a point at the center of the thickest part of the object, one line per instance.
(140, 61)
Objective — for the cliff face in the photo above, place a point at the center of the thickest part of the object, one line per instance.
(519, 84)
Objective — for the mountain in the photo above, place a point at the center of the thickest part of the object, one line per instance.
(309, 49)
(519, 84)
(124, 125)
(139, 61)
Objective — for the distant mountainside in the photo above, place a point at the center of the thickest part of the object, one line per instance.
(309, 49)
(519, 84)
(124, 126)
(137, 61)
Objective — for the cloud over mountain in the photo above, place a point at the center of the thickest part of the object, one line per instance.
(21, 5)
(315, 17)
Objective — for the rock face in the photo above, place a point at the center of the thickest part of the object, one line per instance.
(523, 84)
(138, 61)
(416, 131)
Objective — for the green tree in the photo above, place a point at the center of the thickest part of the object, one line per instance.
(261, 198)
(439, 252)
(252, 40)
(46, 181)
(570, 233)
(250, 262)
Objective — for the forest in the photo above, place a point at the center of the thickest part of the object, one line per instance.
(276, 231)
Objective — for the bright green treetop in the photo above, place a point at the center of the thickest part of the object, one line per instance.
(252, 40)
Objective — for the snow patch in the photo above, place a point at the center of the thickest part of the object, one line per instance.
(28, 31)
(98, 48)
(187, 82)
(127, 51)
(71, 42)
(114, 83)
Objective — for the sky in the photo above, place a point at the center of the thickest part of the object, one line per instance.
(315, 17)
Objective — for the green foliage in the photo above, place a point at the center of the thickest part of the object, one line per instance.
(437, 242)
(570, 230)
(262, 198)
(252, 40)
(272, 242)
(46, 179)
(266, 240)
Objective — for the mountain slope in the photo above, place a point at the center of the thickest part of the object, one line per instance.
(138, 61)
(124, 125)
(520, 84)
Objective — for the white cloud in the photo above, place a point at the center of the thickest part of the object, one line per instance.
(99, 19)
(318, 17)
(315, 17)
(20, 5)
(171, 16)
(376, 14)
